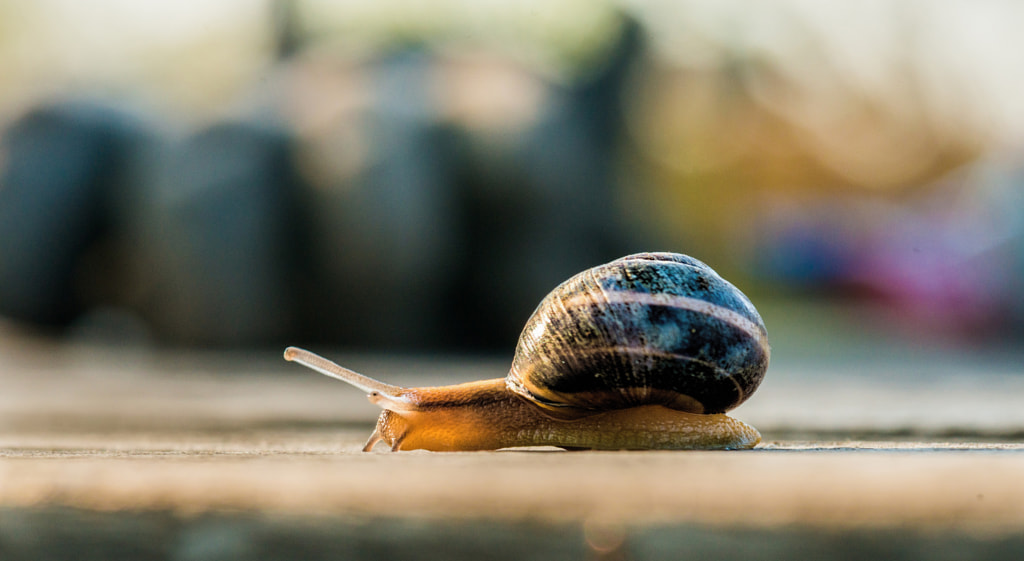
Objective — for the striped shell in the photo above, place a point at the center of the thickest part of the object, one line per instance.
(649, 328)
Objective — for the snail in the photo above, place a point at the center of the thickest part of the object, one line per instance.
(645, 352)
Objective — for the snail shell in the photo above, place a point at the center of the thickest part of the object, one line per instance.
(646, 329)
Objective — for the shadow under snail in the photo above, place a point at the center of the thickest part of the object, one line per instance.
(645, 352)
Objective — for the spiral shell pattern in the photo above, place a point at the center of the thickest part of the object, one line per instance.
(649, 328)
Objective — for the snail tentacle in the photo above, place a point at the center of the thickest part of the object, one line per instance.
(387, 396)
(373, 440)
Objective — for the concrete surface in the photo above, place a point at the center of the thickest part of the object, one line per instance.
(108, 453)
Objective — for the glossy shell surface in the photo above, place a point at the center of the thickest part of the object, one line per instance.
(649, 328)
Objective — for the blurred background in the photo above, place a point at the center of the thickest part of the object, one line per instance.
(410, 175)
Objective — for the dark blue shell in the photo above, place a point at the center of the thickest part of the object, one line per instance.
(649, 328)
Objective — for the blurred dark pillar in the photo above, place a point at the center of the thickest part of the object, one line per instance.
(386, 238)
(285, 28)
(64, 178)
(219, 228)
(547, 209)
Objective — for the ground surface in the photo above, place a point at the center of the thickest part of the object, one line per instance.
(134, 454)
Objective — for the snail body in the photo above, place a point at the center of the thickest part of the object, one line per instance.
(645, 352)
